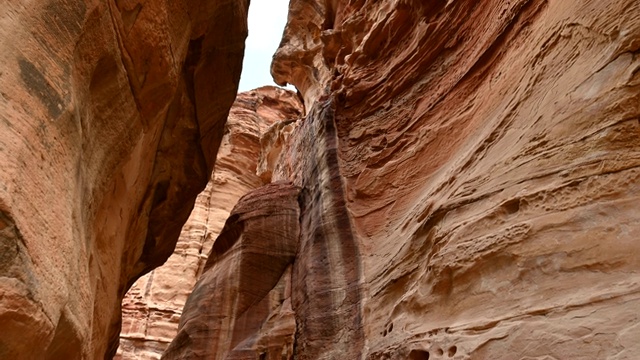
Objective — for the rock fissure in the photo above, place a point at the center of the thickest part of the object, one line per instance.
(125, 57)
(327, 240)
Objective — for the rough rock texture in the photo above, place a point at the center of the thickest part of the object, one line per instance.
(244, 282)
(470, 174)
(487, 155)
(111, 113)
(153, 305)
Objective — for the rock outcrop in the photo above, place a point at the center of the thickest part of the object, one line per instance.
(111, 113)
(226, 315)
(153, 305)
(469, 175)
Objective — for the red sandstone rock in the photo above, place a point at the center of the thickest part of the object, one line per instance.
(152, 307)
(472, 175)
(111, 113)
(244, 281)
(469, 175)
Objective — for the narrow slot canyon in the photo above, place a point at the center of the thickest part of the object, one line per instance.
(257, 125)
(259, 120)
(438, 180)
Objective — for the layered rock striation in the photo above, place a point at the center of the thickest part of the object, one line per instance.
(111, 113)
(468, 176)
(153, 305)
(244, 282)
(463, 184)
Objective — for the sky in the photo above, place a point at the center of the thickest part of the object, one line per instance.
(267, 19)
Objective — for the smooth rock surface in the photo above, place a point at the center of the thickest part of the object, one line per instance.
(111, 113)
(153, 305)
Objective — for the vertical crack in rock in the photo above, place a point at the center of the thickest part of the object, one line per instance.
(125, 58)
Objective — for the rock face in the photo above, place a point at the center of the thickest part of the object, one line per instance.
(153, 305)
(244, 282)
(111, 113)
(469, 176)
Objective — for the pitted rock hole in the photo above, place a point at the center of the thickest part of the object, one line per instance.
(452, 351)
(418, 355)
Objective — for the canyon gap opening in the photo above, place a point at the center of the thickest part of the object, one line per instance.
(267, 19)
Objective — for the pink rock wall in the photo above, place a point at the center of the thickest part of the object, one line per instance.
(469, 180)
(487, 157)
(111, 113)
(244, 283)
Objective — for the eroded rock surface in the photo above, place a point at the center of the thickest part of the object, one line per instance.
(111, 113)
(153, 305)
(244, 281)
(488, 156)
(469, 176)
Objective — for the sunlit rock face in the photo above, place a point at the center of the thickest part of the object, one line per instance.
(469, 179)
(152, 307)
(111, 113)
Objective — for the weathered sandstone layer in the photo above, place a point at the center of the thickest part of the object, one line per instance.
(243, 284)
(111, 113)
(469, 175)
(153, 305)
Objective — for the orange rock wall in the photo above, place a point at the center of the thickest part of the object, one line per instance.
(487, 155)
(111, 113)
(469, 180)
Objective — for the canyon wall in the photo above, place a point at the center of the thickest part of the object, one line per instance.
(153, 305)
(111, 113)
(466, 180)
